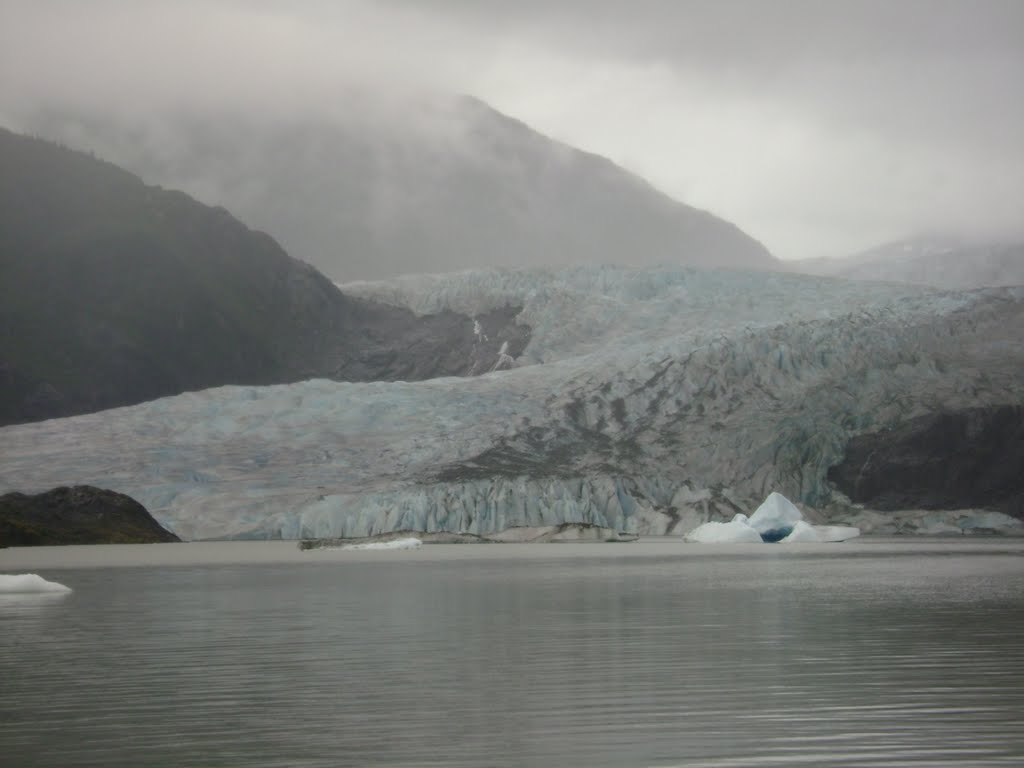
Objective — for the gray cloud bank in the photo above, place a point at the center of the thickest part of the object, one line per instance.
(819, 127)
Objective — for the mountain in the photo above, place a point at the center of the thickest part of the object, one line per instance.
(113, 292)
(645, 400)
(429, 185)
(942, 262)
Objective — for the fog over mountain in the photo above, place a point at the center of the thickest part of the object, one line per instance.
(820, 129)
(943, 262)
(377, 138)
(454, 186)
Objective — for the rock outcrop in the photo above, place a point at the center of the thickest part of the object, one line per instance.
(964, 459)
(80, 514)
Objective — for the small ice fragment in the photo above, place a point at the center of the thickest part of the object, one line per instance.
(733, 532)
(837, 532)
(22, 583)
(409, 543)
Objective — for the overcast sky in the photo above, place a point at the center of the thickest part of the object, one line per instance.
(818, 126)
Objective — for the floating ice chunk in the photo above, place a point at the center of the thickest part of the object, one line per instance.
(775, 518)
(733, 532)
(996, 521)
(28, 582)
(801, 532)
(394, 544)
(836, 532)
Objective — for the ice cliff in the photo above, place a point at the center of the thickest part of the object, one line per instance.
(647, 400)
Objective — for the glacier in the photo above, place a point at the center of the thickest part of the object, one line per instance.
(648, 401)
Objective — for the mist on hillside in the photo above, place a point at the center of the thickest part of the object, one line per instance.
(817, 129)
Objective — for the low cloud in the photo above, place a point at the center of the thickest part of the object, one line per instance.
(820, 128)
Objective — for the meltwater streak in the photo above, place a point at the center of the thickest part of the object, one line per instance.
(443, 657)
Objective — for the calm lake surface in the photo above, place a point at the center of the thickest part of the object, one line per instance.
(869, 653)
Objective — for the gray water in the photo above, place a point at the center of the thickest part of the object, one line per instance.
(648, 654)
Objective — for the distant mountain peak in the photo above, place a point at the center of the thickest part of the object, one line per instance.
(934, 259)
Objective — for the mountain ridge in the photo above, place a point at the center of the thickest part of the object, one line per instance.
(113, 292)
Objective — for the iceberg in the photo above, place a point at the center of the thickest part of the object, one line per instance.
(28, 583)
(776, 518)
(394, 544)
(801, 532)
(733, 532)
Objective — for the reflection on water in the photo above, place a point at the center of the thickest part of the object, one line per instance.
(520, 658)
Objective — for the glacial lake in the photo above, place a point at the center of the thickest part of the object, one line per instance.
(657, 653)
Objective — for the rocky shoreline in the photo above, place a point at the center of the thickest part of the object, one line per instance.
(553, 534)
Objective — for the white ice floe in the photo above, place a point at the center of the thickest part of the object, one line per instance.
(394, 544)
(834, 533)
(733, 532)
(22, 583)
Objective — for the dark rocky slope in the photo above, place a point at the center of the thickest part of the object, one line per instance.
(972, 458)
(80, 514)
(113, 292)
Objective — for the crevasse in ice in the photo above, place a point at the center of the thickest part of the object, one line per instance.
(648, 401)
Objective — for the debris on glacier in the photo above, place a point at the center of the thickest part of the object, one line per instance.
(776, 520)
(23, 583)
(947, 522)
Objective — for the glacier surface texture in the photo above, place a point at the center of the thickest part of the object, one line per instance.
(648, 401)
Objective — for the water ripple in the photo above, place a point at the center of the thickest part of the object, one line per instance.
(448, 661)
